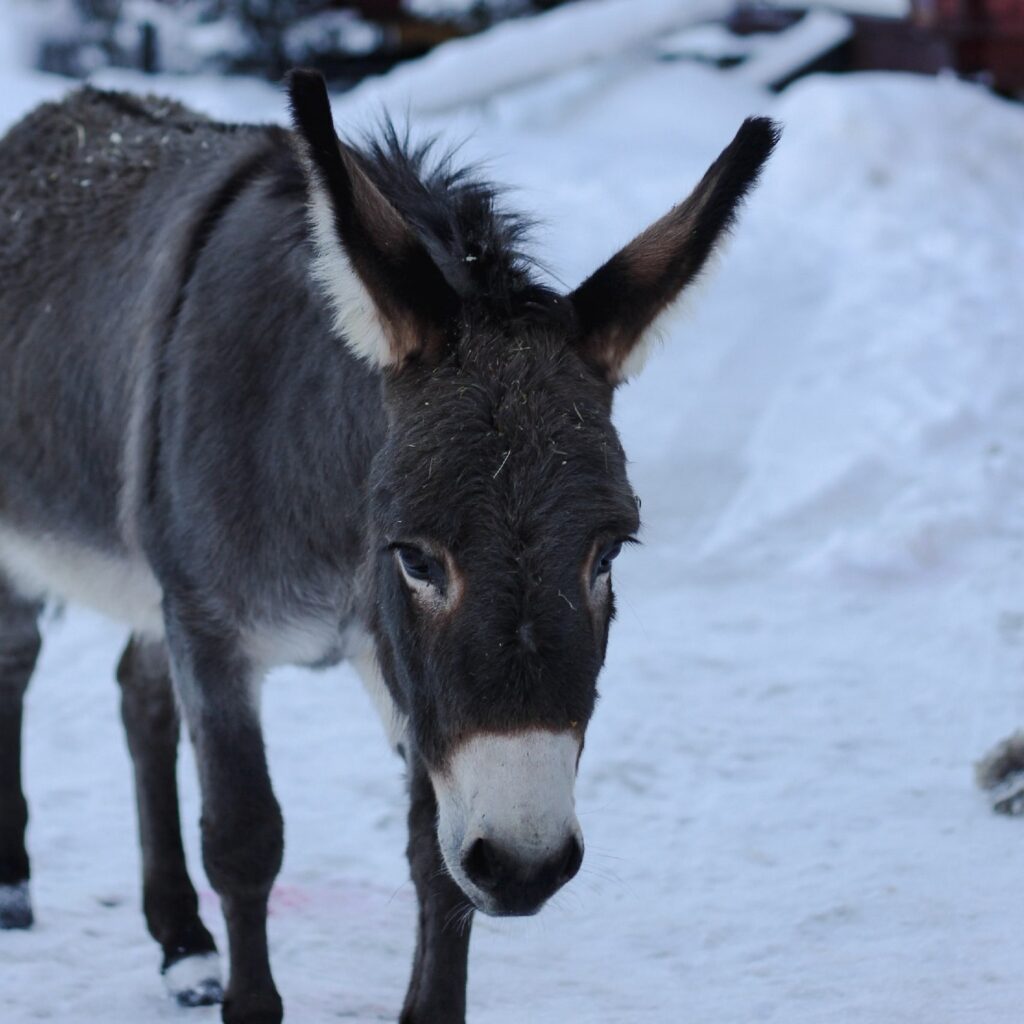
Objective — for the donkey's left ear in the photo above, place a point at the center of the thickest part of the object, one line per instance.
(391, 302)
(617, 305)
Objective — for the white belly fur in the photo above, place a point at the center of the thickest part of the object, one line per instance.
(120, 588)
(126, 591)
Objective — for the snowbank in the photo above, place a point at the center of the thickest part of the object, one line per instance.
(893, 432)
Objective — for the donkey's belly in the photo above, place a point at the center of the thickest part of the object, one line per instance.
(111, 583)
(310, 641)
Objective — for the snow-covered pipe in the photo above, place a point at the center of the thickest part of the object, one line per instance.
(521, 51)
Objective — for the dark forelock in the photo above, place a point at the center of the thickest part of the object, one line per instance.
(459, 216)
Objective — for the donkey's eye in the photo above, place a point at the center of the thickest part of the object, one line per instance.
(603, 563)
(419, 566)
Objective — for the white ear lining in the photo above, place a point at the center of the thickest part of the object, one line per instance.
(640, 353)
(676, 312)
(356, 318)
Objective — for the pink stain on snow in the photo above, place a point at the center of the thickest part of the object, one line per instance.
(291, 898)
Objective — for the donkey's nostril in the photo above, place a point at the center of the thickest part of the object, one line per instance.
(572, 858)
(519, 884)
(483, 865)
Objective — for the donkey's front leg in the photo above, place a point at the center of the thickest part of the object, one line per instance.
(437, 989)
(19, 648)
(150, 717)
(243, 835)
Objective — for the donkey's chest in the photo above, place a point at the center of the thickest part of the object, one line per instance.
(312, 640)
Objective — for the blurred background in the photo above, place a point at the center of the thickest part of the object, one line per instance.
(348, 39)
(824, 626)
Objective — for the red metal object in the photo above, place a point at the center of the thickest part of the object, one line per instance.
(984, 37)
(992, 15)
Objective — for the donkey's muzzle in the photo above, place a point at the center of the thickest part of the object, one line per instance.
(514, 885)
(506, 821)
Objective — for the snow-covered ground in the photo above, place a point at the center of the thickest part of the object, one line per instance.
(824, 628)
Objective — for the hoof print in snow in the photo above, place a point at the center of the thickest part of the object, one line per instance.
(1001, 774)
(15, 907)
(195, 980)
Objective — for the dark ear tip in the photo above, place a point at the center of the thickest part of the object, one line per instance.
(311, 116)
(304, 82)
(307, 94)
(759, 135)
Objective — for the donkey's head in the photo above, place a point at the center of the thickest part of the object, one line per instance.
(499, 499)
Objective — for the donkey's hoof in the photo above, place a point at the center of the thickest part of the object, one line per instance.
(253, 1009)
(1001, 772)
(195, 980)
(15, 906)
(1008, 796)
(410, 1016)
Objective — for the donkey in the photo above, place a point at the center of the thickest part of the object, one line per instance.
(269, 397)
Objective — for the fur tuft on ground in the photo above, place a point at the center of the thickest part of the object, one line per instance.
(1001, 774)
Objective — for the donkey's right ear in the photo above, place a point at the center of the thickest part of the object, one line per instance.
(618, 305)
(391, 303)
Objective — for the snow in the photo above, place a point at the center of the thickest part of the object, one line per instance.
(761, 58)
(446, 9)
(870, 8)
(711, 41)
(523, 51)
(780, 55)
(823, 629)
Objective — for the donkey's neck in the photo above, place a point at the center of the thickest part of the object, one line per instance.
(267, 426)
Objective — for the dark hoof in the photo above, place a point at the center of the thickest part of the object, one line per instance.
(429, 1018)
(15, 907)
(265, 1009)
(1008, 796)
(195, 980)
(1001, 772)
(431, 1015)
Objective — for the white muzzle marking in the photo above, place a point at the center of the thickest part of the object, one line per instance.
(513, 790)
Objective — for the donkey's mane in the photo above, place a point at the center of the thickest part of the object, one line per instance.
(459, 215)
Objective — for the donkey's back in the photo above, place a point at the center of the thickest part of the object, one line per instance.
(104, 200)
